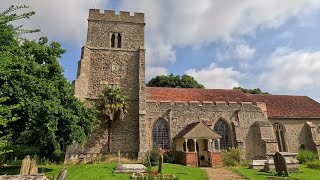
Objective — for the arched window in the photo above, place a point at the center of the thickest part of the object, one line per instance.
(119, 40)
(160, 134)
(113, 39)
(279, 131)
(221, 127)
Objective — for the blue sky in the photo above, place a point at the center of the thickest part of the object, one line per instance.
(270, 44)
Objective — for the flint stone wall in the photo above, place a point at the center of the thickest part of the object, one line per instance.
(179, 114)
(297, 133)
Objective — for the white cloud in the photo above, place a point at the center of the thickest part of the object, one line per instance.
(292, 70)
(244, 52)
(61, 20)
(215, 77)
(236, 51)
(152, 72)
(183, 23)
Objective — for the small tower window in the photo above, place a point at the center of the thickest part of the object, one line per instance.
(113, 39)
(119, 40)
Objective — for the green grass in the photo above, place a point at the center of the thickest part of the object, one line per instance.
(304, 173)
(105, 171)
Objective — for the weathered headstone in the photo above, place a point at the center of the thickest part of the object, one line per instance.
(25, 166)
(63, 174)
(280, 164)
(160, 164)
(35, 157)
(33, 167)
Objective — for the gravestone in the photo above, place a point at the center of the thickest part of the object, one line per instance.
(25, 166)
(160, 163)
(63, 174)
(280, 164)
(33, 167)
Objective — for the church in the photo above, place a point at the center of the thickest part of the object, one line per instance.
(195, 123)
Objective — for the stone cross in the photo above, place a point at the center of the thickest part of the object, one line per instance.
(160, 164)
(280, 164)
(25, 166)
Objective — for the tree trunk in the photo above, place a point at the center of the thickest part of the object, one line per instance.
(109, 136)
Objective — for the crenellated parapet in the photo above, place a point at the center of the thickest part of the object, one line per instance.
(110, 15)
(261, 105)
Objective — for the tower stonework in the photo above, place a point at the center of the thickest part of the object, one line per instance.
(114, 54)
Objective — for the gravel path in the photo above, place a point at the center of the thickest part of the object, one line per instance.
(221, 173)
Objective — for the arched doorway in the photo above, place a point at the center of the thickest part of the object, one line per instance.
(280, 136)
(221, 127)
(160, 134)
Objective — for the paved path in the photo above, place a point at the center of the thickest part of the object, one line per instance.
(222, 173)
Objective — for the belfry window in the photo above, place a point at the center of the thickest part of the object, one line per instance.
(113, 39)
(119, 40)
(222, 128)
(160, 134)
(279, 132)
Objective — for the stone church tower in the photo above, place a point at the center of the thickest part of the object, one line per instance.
(115, 52)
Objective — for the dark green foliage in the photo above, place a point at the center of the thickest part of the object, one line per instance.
(170, 157)
(20, 151)
(154, 157)
(251, 91)
(184, 81)
(46, 114)
(231, 157)
(112, 103)
(305, 156)
(313, 164)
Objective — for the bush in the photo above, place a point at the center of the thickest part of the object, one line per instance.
(231, 157)
(20, 151)
(305, 156)
(313, 164)
(154, 157)
(170, 157)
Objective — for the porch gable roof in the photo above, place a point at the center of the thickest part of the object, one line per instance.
(197, 130)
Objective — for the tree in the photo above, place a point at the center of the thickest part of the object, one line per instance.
(32, 80)
(251, 91)
(112, 106)
(184, 81)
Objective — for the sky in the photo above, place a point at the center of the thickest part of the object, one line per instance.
(268, 44)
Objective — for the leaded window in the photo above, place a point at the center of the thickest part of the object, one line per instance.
(222, 128)
(160, 134)
(279, 131)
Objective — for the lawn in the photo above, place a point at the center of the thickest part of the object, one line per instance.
(303, 174)
(105, 171)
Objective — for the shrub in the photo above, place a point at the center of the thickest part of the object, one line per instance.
(231, 157)
(20, 151)
(170, 157)
(313, 164)
(305, 156)
(154, 157)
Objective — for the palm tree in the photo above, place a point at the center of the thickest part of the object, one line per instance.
(113, 106)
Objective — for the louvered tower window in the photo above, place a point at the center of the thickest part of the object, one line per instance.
(160, 134)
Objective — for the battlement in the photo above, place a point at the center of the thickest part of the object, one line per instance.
(110, 15)
(206, 103)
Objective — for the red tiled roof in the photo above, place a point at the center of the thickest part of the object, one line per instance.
(193, 94)
(288, 106)
(277, 105)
